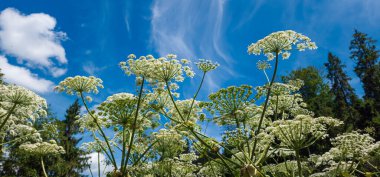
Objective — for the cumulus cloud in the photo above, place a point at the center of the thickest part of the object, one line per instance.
(93, 161)
(22, 76)
(32, 40)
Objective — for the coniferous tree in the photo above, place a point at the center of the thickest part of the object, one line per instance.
(74, 160)
(345, 100)
(315, 92)
(364, 53)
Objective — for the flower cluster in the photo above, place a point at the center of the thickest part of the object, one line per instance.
(43, 148)
(228, 102)
(302, 131)
(348, 146)
(79, 85)
(188, 113)
(20, 103)
(120, 109)
(182, 166)
(206, 65)
(24, 133)
(281, 42)
(169, 142)
(163, 69)
(262, 65)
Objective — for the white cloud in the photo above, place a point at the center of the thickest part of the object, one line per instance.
(91, 69)
(22, 76)
(193, 29)
(93, 161)
(32, 39)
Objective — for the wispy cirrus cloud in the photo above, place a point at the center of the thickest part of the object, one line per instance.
(192, 29)
(91, 69)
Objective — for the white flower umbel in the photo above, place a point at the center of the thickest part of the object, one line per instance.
(163, 69)
(18, 103)
(79, 85)
(281, 42)
(42, 149)
(206, 65)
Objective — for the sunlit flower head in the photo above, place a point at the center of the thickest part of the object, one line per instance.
(262, 65)
(80, 84)
(163, 69)
(206, 65)
(281, 42)
(43, 148)
(22, 102)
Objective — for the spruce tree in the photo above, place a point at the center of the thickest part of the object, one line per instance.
(315, 92)
(74, 160)
(364, 53)
(345, 100)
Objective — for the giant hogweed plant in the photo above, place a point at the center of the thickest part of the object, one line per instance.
(262, 139)
(19, 109)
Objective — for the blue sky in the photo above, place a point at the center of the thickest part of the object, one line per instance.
(100, 34)
(42, 42)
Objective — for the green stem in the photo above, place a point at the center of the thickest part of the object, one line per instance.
(196, 94)
(146, 151)
(275, 113)
(299, 163)
(171, 97)
(101, 131)
(89, 167)
(265, 107)
(123, 151)
(8, 116)
(134, 123)
(43, 167)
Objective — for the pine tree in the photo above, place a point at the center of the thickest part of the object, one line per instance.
(345, 100)
(315, 92)
(74, 160)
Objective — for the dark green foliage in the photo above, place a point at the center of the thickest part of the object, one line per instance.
(70, 164)
(315, 92)
(21, 164)
(364, 53)
(345, 100)
(74, 161)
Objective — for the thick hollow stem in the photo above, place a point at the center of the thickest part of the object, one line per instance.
(43, 167)
(196, 94)
(134, 122)
(299, 163)
(123, 151)
(8, 116)
(175, 105)
(265, 107)
(101, 132)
